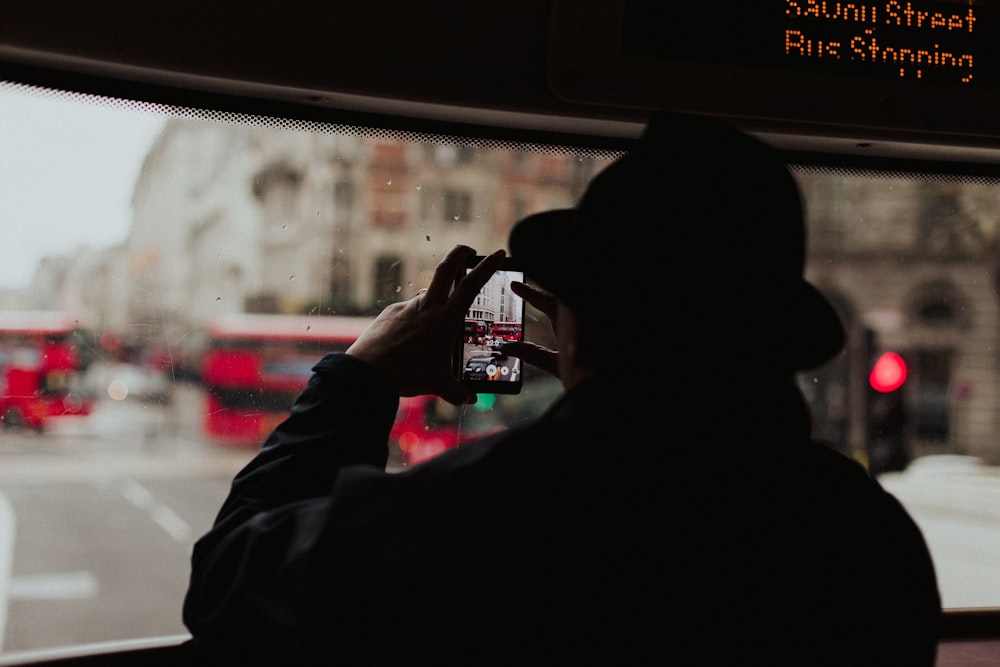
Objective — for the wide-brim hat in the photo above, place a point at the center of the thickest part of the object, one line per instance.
(699, 226)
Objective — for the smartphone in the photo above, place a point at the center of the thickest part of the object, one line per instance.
(495, 317)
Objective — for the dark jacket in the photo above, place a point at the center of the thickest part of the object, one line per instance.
(618, 526)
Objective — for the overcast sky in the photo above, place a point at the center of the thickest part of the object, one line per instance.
(67, 169)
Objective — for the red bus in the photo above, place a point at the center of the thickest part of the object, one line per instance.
(475, 332)
(427, 426)
(40, 366)
(507, 332)
(255, 365)
(423, 429)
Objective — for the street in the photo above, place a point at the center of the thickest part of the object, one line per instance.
(97, 519)
(956, 503)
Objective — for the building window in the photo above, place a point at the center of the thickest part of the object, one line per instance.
(388, 279)
(457, 206)
(340, 286)
(388, 219)
(276, 188)
(467, 154)
(932, 413)
(389, 154)
(520, 206)
(445, 155)
(940, 304)
(343, 198)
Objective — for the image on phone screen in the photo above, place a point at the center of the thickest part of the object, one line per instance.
(495, 317)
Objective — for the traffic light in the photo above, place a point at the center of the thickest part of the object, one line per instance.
(888, 374)
(886, 414)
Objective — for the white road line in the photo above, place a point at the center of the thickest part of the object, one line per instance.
(137, 494)
(54, 586)
(171, 523)
(70, 585)
(8, 531)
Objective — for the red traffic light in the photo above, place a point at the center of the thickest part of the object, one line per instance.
(888, 374)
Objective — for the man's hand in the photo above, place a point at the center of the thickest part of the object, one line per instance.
(414, 341)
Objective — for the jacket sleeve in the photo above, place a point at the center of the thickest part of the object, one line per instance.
(244, 570)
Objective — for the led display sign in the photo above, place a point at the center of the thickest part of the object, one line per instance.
(912, 40)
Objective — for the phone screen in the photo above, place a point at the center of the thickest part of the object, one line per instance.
(495, 317)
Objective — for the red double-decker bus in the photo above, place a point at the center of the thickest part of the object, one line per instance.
(475, 332)
(40, 365)
(506, 332)
(255, 365)
(426, 426)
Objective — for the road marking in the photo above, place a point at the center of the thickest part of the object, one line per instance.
(8, 530)
(171, 523)
(54, 586)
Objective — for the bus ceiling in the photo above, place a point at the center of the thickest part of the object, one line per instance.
(922, 85)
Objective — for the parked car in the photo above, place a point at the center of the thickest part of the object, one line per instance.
(479, 368)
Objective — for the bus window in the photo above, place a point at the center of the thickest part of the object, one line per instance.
(243, 238)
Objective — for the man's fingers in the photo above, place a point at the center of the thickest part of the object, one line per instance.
(445, 272)
(538, 298)
(473, 282)
(536, 355)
